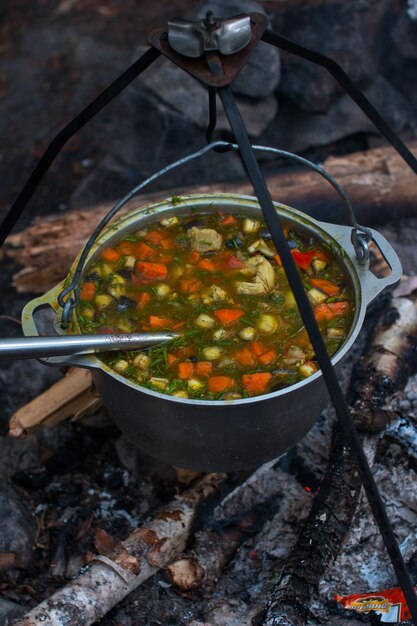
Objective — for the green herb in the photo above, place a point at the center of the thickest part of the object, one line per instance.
(175, 199)
(277, 298)
(174, 384)
(130, 371)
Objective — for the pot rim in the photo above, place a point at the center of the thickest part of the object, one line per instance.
(335, 235)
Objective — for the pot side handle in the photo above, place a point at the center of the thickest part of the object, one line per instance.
(49, 301)
(371, 284)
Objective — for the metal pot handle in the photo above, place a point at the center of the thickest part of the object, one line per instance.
(361, 236)
(30, 329)
(372, 286)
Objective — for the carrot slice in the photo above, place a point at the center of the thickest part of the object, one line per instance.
(185, 370)
(194, 257)
(164, 258)
(325, 285)
(144, 298)
(159, 322)
(277, 260)
(229, 220)
(257, 348)
(167, 244)
(228, 316)
(216, 384)
(152, 270)
(207, 265)
(172, 359)
(154, 237)
(245, 357)
(185, 352)
(177, 325)
(87, 292)
(327, 311)
(268, 358)
(110, 255)
(127, 248)
(204, 368)
(190, 285)
(143, 251)
(256, 383)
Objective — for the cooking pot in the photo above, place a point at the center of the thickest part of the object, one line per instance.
(229, 435)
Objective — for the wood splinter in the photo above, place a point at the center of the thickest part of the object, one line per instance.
(74, 396)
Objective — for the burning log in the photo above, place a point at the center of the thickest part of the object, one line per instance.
(384, 368)
(108, 579)
(372, 178)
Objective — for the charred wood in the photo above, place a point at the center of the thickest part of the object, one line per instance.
(387, 364)
(388, 361)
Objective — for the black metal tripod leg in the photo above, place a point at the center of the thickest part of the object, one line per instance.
(336, 394)
(343, 79)
(212, 114)
(66, 133)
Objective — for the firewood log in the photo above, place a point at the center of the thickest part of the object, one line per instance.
(108, 579)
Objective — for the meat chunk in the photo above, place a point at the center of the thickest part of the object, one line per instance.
(205, 239)
(263, 281)
(294, 355)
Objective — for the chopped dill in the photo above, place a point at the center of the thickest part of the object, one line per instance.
(175, 199)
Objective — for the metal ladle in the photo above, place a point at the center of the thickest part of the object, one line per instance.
(38, 347)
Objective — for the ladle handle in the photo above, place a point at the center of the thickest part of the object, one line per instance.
(77, 345)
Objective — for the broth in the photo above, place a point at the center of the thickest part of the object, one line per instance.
(217, 280)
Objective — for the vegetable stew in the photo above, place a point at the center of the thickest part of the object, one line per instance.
(217, 280)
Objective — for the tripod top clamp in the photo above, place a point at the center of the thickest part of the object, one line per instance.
(194, 38)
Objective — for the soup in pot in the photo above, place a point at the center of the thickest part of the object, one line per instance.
(216, 280)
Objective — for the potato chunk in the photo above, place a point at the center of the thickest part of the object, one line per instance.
(316, 296)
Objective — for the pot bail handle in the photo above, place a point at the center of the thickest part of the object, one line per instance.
(69, 297)
(361, 235)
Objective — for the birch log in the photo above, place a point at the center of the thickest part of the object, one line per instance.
(108, 579)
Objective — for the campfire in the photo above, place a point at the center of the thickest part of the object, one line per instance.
(96, 530)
